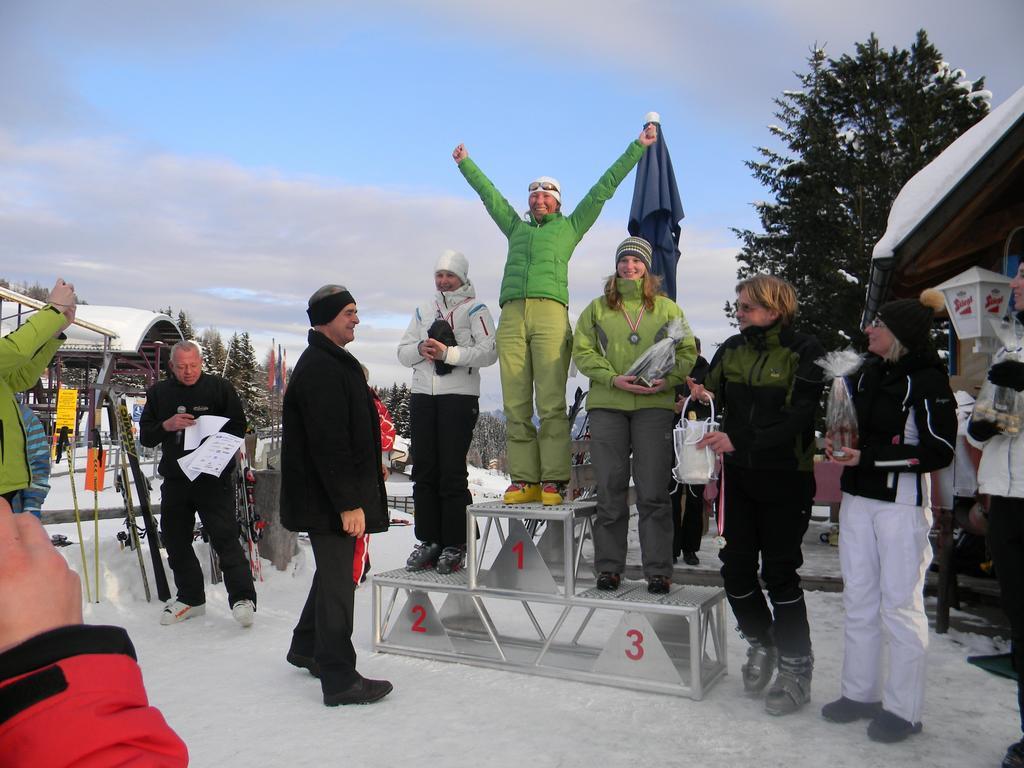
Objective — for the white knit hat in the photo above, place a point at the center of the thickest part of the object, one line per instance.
(454, 262)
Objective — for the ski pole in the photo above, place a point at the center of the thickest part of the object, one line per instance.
(133, 530)
(69, 447)
(97, 462)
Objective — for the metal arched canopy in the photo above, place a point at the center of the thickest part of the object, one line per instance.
(132, 330)
(136, 340)
(141, 340)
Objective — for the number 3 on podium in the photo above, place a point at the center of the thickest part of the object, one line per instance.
(637, 651)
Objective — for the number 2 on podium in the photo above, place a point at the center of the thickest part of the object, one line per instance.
(420, 613)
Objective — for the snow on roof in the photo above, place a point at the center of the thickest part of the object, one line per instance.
(930, 186)
(131, 326)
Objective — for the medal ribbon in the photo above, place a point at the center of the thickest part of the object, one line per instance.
(449, 318)
(721, 503)
(634, 325)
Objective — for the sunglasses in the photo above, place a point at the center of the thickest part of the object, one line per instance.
(876, 323)
(546, 186)
(742, 306)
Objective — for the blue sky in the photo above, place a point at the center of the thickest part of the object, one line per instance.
(231, 157)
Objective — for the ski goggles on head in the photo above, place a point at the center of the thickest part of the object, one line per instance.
(547, 184)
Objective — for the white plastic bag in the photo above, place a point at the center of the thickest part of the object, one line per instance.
(694, 466)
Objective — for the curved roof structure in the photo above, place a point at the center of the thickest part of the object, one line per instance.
(130, 340)
(955, 212)
(133, 329)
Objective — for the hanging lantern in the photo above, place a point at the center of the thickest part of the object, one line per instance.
(974, 296)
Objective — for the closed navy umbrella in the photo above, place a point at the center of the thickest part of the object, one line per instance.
(657, 208)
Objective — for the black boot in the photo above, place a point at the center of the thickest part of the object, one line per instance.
(760, 666)
(1014, 756)
(792, 686)
(889, 728)
(844, 710)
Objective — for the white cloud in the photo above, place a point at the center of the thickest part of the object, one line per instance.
(243, 250)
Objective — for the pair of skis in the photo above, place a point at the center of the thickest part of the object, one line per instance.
(249, 521)
(250, 524)
(131, 472)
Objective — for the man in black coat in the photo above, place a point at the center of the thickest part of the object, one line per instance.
(332, 487)
(172, 406)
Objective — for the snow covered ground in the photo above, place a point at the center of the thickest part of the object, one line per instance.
(235, 701)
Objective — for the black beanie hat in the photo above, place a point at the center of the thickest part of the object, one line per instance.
(910, 320)
(327, 307)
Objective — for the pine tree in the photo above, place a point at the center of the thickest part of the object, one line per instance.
(488, 440)
(400, 413)
(243, 372)
(857, 129)
(214, 353)
(185, 326)
(390, 397)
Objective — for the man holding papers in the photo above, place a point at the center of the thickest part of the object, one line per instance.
(179, 412)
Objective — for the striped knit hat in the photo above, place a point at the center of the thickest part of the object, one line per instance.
(634, 246)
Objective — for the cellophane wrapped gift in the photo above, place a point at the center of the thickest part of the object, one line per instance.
(840, 415)
(659, 358)
(1003, 406)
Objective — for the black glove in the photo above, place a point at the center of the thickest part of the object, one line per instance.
(441, 331)
(1008, 373)
(983, 430)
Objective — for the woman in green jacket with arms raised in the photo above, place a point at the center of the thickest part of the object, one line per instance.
(534, 336)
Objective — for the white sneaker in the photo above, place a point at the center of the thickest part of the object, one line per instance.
(176, 611)
(244, 612)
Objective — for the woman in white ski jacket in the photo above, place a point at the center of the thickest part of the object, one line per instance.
(1001, 475)
(449, 339)
(906, 419)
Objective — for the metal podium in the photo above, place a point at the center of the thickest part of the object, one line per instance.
(522, 604)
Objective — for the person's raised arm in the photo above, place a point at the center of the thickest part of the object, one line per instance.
(498, 208)
(62, 297)
(585, 214)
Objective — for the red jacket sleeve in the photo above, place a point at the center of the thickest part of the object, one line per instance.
(74, 697)
(387, 424)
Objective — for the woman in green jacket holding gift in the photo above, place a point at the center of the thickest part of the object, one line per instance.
(627, 417)
(534, 337)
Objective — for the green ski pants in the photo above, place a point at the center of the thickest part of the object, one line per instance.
(534, 349)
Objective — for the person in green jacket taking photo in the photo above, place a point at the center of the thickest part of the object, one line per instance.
(24, 355)
(534, 336)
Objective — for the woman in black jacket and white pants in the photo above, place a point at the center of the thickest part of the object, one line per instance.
(907, 425)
